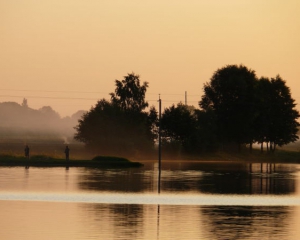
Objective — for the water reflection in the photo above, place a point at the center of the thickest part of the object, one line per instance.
(80, 203)
(129, 180)
(145, 221)
(28, 220)
(158, 218)
(251, 222)
(128, 219)
(192, 222)
(253, 179)
(117, 221)
(212, 178)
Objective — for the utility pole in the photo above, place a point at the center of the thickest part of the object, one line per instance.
(185, 97)
(159, 143)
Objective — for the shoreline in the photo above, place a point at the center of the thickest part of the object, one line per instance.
(45, 161)
(280, 156)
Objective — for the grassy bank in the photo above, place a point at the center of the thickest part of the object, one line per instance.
(280, 156)
(53, 155)
(46, 161)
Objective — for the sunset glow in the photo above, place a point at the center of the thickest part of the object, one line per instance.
(67, 54)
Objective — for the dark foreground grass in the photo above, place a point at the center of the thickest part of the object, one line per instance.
(46, 161)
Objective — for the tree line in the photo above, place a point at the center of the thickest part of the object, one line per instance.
(236, 109)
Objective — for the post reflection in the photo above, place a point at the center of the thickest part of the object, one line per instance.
(157, 226)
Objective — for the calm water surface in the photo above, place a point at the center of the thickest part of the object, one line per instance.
(196, 201)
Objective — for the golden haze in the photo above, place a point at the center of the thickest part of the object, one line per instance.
(67, 53)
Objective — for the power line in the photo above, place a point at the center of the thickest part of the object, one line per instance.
(56, 91)
(95, 99)
(65, 91)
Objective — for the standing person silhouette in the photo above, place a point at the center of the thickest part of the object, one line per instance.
(67, 151)
(26, 150)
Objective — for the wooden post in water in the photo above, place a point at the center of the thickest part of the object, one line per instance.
(159, 143)
(157, 227)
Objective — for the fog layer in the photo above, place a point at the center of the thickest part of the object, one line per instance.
(18, 122)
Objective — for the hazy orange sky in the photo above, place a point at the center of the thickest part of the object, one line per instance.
(67, 53)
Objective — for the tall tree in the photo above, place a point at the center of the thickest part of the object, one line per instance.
(130, 94)
(120, 126)
(189, 129)
(230, 94)
(264, 105)
(276, 123)
(283, 125)
(207, 137)
(178, 124)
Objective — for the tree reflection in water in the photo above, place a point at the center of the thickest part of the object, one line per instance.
(128, 219)
(123, 221)
(211, 178)
(246, 222)
(233, 178)
(254, 179)
(128, 180)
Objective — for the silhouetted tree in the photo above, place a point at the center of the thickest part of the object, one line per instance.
(248, 110)
(120, 126)
(24, 103)
(263, 103)
(230, 94)
(207, 138)
(276, 123)
(283, 125)
(130, 94)
(189, 129)
(178, 126)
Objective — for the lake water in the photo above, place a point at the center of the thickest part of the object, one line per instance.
(196, 201)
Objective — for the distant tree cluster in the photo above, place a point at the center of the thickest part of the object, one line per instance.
(237, 108)
(248, 109)
(188, 130)
(20, 123)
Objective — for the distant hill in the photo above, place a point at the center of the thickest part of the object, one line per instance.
(22, 123)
